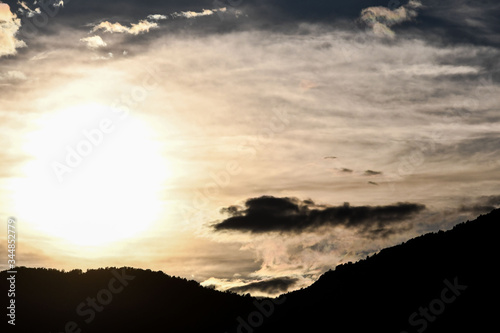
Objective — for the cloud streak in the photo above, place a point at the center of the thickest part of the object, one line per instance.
(12, 76)
(143, 26)
(191, 14)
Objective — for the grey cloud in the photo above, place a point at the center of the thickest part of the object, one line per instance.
(481, 205)
(271, 214)
(372, 173)
(463, 147)
(323, 246)
(487, 143)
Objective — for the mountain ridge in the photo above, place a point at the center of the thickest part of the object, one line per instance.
(410, 275)
(388, 291)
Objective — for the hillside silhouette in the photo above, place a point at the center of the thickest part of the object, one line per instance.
(438, 282)
(382, 292)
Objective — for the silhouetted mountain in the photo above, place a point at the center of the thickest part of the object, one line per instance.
(119, 300)
(390, 291)
(451, 274)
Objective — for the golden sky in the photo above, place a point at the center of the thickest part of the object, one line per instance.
(125, 133)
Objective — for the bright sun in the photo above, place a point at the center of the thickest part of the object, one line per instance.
(95, 177)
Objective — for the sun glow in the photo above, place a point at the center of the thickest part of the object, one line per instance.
(95, 176)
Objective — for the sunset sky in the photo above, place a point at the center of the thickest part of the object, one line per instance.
(249, 145)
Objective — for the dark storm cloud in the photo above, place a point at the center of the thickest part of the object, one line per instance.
(272, 286)
(271, 214)
(441, 20)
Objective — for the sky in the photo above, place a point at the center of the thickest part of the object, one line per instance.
(248, 145)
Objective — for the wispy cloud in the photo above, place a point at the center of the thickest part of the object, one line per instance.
(191, 14)
(135, 28)
(432, 70)
(205, 12)
(12, 76)
(145, 25)
(41, 56)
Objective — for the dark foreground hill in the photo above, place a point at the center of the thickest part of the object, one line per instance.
(439, 282)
